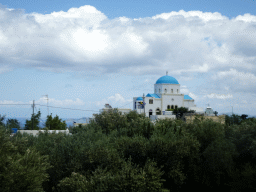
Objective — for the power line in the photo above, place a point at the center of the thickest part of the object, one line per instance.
(67, 108)
(53, 107)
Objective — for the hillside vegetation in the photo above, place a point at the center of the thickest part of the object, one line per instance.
(129, 153)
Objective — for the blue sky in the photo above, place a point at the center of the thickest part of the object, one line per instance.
(84, 54)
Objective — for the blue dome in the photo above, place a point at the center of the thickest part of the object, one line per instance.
(167, 80)
(139, 99)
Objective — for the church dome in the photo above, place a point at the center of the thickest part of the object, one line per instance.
(167, 80)
(139, 99)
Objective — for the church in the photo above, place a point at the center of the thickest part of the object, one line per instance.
(166, 96)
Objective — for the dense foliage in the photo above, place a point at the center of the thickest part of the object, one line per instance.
(55, 123)
(13, 123)
(130, 153)
(33, 123)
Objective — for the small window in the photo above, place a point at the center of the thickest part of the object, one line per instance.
(172, 107)
(159, 90)
(177, 90)
(168, 107)
(150, 101)
(165, 90)
(176, 107)
(172, 90)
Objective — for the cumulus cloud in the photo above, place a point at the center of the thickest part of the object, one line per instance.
(84, 38)
(217, 49)
(219, 96)
(237, 80)
(9, 102)
(116, 100)
(61, 103)
(43, 101)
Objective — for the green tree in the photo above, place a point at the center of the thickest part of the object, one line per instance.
(33, 123)
(21, 168)
(215, 113)
(13, 123)
(233, 119)
(2, 120)
(180, 111)
(55, 123)
(244, 116)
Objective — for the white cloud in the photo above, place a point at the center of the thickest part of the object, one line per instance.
(43, 101)
(219, 96)
(205, 16)
(246, 17)
(85, 39)
(116, 100)
(7, 102)
(236, 75)
(61, 103)
(193, 96)
(222, 50)
(184, 90)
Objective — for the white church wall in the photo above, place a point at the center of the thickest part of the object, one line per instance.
(177, 100)
(156, 104)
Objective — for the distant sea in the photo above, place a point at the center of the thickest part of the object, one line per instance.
(69, 121)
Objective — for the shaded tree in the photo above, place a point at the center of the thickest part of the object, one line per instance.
(244, 116)
(2, 120)
(180, 111)
(13, 123)
(33, 123)
(21, 168)
(55, 123)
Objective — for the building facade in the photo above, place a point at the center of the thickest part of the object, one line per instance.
(166, 96)
(109, 108)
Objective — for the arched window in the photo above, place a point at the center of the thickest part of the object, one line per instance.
(158, 111)
(172, 90)
(159, 90)
(172, 107)
(176, 107)
(177, 90)
(168, 107)
(165, 90)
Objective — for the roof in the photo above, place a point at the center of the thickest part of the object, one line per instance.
(187, 97)
(152, 95)
(139, 99)
(167, 80)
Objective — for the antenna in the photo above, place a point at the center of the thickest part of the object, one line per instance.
(47, 103)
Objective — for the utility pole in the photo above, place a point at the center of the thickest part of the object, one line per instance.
(33, 115)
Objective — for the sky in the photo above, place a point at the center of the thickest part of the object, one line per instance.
(83, 54)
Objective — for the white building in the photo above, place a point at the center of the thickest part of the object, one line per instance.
(209, 111)
(109, 108)
(166, 96)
